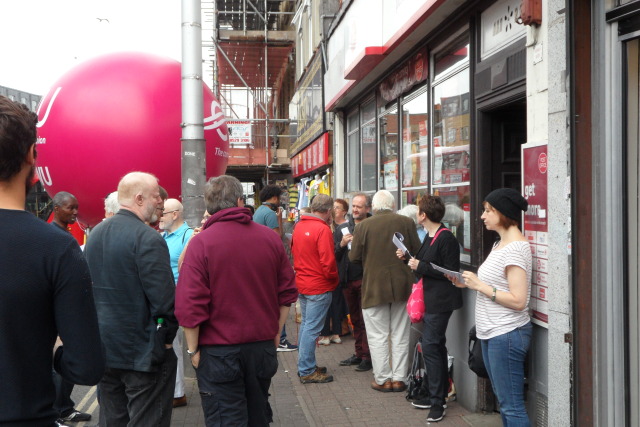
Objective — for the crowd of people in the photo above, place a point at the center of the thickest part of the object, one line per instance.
(229, 285)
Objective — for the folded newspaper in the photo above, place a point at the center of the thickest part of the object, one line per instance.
(457, 275)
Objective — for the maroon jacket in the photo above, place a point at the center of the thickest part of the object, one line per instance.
(234, 278)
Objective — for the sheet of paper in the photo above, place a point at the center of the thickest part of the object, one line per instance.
(456, 274)
(397, 240)
(345, 231)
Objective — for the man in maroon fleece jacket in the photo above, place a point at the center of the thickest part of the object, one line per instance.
(233, 295)
(316, 277)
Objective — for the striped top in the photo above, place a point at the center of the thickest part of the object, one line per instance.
(493, 319)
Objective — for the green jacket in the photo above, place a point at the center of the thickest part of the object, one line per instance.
(386, 278)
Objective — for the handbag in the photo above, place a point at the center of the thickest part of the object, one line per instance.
(415, 303)
(476, 361)
(416, 381)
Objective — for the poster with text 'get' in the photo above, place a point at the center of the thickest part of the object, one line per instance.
(536, 226)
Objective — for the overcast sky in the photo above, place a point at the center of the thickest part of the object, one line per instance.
(42, 39)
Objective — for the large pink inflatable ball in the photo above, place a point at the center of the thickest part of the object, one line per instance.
(116, 114)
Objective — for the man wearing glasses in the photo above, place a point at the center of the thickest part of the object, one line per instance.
(176, 233)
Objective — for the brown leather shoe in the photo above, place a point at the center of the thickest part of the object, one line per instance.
(398, 386)
(179, 401)
(385, 388)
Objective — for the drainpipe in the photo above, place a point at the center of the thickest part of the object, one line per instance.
(193, 149)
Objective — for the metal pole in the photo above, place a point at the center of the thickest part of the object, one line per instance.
(193, 143)
(216, 88)
(266, 86)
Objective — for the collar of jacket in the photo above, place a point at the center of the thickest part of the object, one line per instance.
(237, 214)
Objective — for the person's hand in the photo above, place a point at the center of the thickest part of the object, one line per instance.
(471, 280)
(413, 263)
(197, 230)
(195, 359)
(345, 240)
(453, 280)
(399, 254)
(56, 345)
(276, 340)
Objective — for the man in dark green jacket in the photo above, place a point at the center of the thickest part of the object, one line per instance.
(386, 286)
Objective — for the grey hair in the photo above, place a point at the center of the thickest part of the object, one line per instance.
(61, 197)
(383, 201)
(111, 204)
(367, 198)
(222, 192)
(410, 211)
(322, 203)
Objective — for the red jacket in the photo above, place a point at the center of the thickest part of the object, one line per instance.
(234, 279)
(313, 257)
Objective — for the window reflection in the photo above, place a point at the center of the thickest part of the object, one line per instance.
(415, 142)
(369, 158)
(457, 216)
(389, 150)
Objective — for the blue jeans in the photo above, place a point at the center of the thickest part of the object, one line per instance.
(434, 350)
(504, 358)
(314, 309)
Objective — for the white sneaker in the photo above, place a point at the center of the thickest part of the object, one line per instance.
(335, 339)
(324, 341)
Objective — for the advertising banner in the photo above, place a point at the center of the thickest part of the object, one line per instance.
(307, 107)
(315, 156)
(536, 226)
(239, 132)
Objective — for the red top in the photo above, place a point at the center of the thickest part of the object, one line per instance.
(234, 278)
(313, 256)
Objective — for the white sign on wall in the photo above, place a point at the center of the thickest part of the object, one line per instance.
(239, 132)
(499, 26)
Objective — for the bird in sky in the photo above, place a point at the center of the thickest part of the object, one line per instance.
(103, 19)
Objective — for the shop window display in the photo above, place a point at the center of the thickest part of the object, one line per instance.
(353, 153)
(389, 150)
(369, 150)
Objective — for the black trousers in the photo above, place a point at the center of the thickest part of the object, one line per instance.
(434, 349)
(234, 383)
(134, 398)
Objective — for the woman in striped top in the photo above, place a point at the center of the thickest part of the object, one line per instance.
(503, 286)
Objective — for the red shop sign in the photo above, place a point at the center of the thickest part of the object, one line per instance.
(412, 72)
(315, 156)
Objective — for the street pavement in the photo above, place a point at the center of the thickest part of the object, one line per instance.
(348, 401)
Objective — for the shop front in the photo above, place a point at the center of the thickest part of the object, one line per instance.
(438, 106)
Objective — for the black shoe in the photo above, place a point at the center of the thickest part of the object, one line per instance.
(424, 403)
(76, 416)
(286, 346)
(353, 360)
(365, 365)
(60, 423)
(436, 414)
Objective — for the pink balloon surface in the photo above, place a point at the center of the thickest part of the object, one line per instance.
(116, 114)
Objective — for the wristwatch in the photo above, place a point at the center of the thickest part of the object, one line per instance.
(192, 353)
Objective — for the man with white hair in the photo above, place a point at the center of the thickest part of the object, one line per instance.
(386, 286)
(176, 233)
(134, 291)
(111, 205)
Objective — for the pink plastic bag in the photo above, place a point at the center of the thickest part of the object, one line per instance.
(415, 304)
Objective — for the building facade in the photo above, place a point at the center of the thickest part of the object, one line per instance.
(457, 98)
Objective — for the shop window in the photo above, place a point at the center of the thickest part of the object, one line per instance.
(451, 154)
(389, 150)
(369, 151)
(415, 142)
(452, 58)
(353, 153)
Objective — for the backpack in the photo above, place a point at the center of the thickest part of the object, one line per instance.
(476, 362)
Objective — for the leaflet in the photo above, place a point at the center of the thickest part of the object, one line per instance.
(397, 240)
(457, 275)
(346, 232)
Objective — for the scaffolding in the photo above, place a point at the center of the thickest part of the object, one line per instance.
(248, 48)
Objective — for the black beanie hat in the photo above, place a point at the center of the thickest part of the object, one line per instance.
(508, 201)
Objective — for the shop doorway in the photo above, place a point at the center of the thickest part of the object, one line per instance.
(503, 129)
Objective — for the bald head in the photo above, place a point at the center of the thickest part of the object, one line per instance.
(172, 217)
(139, 192)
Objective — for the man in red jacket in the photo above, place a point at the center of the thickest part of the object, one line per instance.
(316, 276)
(233, 295)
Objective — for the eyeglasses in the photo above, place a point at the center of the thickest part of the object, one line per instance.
(168, 212)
